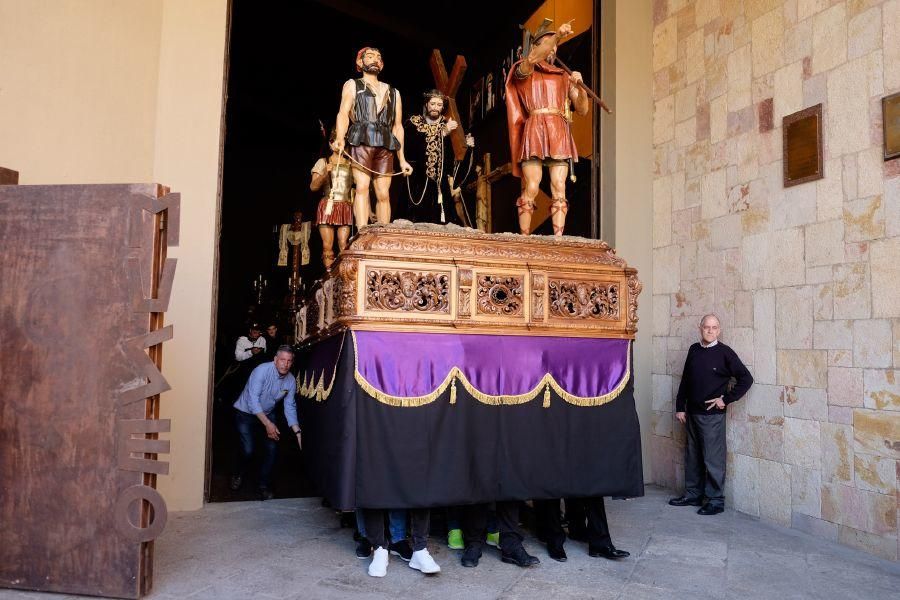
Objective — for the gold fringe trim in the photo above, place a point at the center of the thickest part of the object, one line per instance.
(311, 388)
(545, 384)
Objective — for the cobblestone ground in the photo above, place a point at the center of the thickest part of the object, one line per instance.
(294, 549)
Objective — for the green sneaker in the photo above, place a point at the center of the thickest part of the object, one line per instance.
(455, 539)
(493, 539)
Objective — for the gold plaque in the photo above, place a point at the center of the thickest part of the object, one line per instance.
(890, 111)
(802, 133)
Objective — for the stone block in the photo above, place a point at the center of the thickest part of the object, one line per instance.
(852, 291)
(665, 43)
(688, 260)
(695, 64)
(775, 502)
(788, 96)
(678, 186)
(844, 505)
(795, 207)
(864, 33)
(840, 358)
(741, 341)
(805, 403)
(840, 414)
(881, 546)
(705, 11)
(661, 395)
(685, 103)
(802, 368)
(659, 354)
(819, 275)
(806, 491)
(661, 423)
(891, 44)
(885, 258)
(662, 464)
(660, 314)
(892, 207)
(845, 386)
(725, 231)
(847, 120)
(798, 42)
(832, 335)
(768, 42)
(872, 343)
(686, 133)
(815, 527)
(807, 8)
(815, 90)
(664, 120)
(787, 248)
(896, 351)
(882, 389)
(802, 443)
(737, 434)
(876, 432)
(743, 308)
(875, 473)
(718, 119)
(666, 269)
(823, 302)
(830, 194)
(714, 197)
(766, 440)
(824, 243)
(662, 211)
(746, 484)
(764, 356)
(739, 69)
(794, 317)
(829, 38)
(863, 219)
(837, 453)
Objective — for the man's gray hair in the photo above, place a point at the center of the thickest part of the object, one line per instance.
(708, 316)
(285, 348)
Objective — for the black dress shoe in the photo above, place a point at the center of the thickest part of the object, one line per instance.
(519, 557)
(685, 501)
(610, 552)
(471, 556)
(402, 549)
(236, 481)
(557, 552)
(710, 509)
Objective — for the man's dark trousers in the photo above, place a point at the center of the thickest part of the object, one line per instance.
(704, 458)
(249, 427)
(577, 511)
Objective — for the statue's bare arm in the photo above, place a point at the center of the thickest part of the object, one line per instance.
(342, 123)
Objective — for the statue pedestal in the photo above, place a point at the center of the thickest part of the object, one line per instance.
(405, 277)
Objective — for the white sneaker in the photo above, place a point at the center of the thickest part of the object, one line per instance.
(378, 566)
(422, 561)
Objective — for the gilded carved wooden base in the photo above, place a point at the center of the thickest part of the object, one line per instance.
(405, 278)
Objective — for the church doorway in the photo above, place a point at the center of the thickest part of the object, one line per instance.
(286, 69)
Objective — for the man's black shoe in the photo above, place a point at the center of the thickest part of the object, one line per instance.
(557, 552)
(710, 509)
(685, 501)
(471, 556)
(610, 552)
(578, 535)
(518, 556)
(363, 548)
(401, 549)
(236, 481)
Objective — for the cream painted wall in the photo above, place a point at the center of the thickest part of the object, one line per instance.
(189, 117)
(130, 91)
(633, 178)
(78, 89)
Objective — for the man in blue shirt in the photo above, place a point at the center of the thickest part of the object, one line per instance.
(269, 384)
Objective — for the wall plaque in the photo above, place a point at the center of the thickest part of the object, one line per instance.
(802, 133)
(890, 111)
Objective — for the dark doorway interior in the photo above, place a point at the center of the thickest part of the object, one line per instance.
(288, 61)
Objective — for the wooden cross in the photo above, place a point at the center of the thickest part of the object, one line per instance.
(449, 86)
(484, 197)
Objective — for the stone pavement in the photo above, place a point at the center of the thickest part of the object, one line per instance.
(294, 549)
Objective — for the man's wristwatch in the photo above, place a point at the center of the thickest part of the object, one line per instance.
(297, 432)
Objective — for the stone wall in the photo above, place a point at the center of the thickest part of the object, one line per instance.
(806, 279)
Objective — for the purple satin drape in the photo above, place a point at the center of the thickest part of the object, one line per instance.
(415, 364)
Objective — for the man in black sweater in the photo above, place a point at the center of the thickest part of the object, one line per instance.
(700, 404)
